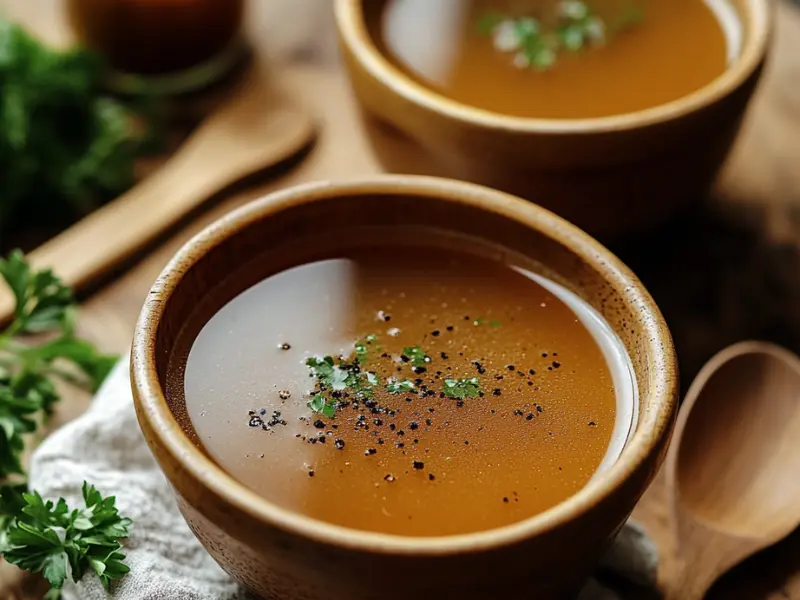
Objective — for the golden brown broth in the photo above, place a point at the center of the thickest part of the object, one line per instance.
(679, 47)
(490, 467)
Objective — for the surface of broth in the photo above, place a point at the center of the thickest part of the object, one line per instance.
(422, 462)
(672, 49)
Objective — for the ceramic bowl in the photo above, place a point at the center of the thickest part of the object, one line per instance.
(608, 175)
(284, 555)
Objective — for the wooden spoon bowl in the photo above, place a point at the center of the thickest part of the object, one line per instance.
(734, 462)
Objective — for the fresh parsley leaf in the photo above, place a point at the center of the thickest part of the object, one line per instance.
(38, 535)
(11, 503)
(65, 145)
(42, 301)
(320, 367)
(400, 387)
(319, 404)
(462, 388)
(417, 356)
(46, 537)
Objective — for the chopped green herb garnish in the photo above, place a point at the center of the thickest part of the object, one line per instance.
(494, 323)
(417, 356)
(400, 387)
(535, 47)
(319, 404)
(363, 348)
(361, 353)
(462, 388)
(342, 377)
(327, 373)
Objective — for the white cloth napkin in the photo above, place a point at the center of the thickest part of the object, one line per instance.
(104, 446)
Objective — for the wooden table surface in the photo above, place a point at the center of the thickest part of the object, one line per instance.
(727, 272)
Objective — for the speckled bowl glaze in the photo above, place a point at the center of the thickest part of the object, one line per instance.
(283, 555)
(609, 175)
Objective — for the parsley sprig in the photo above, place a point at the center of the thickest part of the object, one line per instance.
(38, 348)
(47, 537)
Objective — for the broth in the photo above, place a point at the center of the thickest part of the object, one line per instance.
(463, 393)
(634, 54)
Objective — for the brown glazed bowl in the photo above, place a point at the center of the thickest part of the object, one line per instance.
(608, 175)
(282, 555)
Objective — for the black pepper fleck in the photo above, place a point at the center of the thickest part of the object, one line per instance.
(418, 465)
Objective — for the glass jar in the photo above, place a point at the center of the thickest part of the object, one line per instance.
(169, 46)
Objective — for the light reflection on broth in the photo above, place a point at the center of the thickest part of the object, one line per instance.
(435, 465)
(676, 48)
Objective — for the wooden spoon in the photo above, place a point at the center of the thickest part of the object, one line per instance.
(733, 469)
(253, 131)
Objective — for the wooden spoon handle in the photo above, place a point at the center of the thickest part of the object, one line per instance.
(108, 236)
(115, 231)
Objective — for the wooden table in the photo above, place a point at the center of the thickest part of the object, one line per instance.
(729, 271)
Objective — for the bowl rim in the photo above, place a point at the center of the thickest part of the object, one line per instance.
(357, 40)
(654, 425)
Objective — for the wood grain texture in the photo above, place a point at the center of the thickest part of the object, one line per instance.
(709, 300)
(253, 132)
